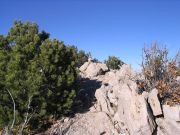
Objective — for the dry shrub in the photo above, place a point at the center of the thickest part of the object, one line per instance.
(177, 58)
(161, 73)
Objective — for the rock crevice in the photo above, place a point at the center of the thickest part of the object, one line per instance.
(119, 109)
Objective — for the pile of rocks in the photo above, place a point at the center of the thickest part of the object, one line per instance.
(119, 109)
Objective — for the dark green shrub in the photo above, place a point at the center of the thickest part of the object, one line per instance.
(39, 74)
(80, 56)
(113, 62)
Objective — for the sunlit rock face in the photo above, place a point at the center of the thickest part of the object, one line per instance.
(118, 108)
(154, 102)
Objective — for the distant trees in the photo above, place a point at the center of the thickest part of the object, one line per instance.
(113, 62)
(37, 77)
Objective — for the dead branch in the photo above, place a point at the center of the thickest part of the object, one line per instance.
(26, 118)
(14, 109)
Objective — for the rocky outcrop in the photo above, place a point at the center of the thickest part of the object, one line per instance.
(154, 102)
(172, 112)
(169, 124)
(125, 107)
(167, 127)
(86, 124)
(135, 112)
(92, 69)
(103, 103)
(119, 108)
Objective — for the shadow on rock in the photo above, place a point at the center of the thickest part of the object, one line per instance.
(86, 95)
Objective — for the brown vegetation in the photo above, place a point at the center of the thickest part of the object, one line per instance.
(161, 73)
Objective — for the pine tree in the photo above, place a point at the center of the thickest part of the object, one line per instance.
(113, 62)
(37, 77)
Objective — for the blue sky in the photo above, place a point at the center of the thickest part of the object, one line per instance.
(102, 27)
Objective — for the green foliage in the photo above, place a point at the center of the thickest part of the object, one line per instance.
(80, 56)
(39, 73)
(113, 62)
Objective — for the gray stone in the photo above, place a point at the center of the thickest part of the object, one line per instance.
(84, 66)
(167, 127)
(134, 111)
(172, 112)
(103, 67)
(91, 69)
(154, 102)
(103, 103)
(88, 124)
(178, 78)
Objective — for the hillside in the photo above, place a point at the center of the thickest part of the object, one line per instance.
(48, 87)
(116, 107)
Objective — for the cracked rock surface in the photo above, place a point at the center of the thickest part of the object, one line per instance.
(118, 109)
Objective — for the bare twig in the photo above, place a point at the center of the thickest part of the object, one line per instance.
(26, 118)
(161, 73)
(14, 109)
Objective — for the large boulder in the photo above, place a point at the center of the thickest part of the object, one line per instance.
(84, 66)
(126, 73)
(92, 69)
(103, 103)
(172, 112)
(103, 67)
(125, 107)
(135, 112)
(167, 127)
(178, 78)
(154, 102)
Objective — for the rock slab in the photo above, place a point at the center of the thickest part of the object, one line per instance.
(154, 102)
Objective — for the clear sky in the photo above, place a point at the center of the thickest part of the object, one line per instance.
(102, 27)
